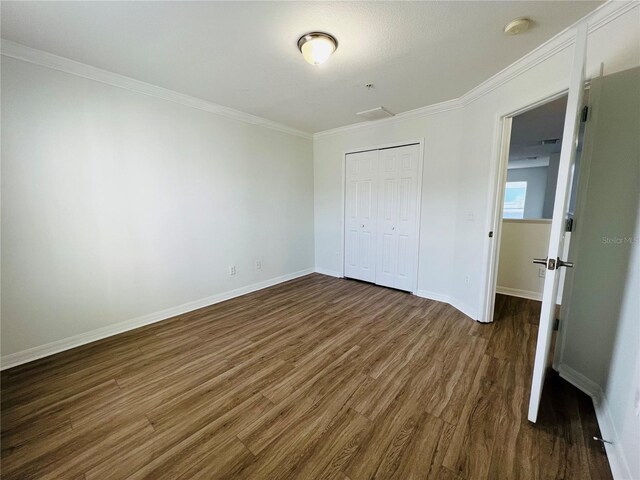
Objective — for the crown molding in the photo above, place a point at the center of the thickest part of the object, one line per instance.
(607, 12)
(55, 62)
(596, 19)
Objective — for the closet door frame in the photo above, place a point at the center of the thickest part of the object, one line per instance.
(420, 142)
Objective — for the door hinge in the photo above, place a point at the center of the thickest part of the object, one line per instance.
(585, 113)
(556, 325)
(490, 234)
(568, 226)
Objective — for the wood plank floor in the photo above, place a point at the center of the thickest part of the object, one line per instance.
(317, 378)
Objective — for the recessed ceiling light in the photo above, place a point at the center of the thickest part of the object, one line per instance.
(517, 26)
(317, 47)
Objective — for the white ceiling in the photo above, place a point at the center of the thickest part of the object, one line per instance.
(243, 55)
(545, 122)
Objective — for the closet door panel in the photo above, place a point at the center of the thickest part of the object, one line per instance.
(397, 232)
(361, 215)
(388, 200)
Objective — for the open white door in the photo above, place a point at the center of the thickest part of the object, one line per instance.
(556, 239)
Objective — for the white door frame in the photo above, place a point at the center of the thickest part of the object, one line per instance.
(492, 253)
(420, 142)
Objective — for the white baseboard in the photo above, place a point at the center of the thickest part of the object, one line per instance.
(464, 308)
(617, 460)
(438, 297)
(515, 292)
(331, 273)
(615, 454)
(455, 303)
(579, 381)
(41, 351)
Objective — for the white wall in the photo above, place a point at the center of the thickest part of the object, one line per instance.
(461, 151)
(441, 135)
(621, 390)
(601, 333)
(117, 205)
(460, 160)
(521, 241)
(552, 180)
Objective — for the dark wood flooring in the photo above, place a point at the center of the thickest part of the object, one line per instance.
(317, 378)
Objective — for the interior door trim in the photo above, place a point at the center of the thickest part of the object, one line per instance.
(371, 149)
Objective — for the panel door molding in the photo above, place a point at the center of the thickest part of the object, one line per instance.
(397, 214)
(361, 207)
(381, 216)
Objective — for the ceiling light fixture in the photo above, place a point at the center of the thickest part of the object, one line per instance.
(517, 26)
(317, 47)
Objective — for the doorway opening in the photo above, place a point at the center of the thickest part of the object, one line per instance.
(529, 196)
(526, 189)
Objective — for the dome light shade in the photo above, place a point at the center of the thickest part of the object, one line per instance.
(317, 47)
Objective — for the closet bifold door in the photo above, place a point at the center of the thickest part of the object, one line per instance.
(361, 215)
(397, 210)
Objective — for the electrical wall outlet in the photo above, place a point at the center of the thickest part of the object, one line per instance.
(259, 264)
(232, 270)
(541, 272)
(467, 279)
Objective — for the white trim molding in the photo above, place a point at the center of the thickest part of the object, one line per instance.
(579, 381)
(62, 64)
(330, 273)
(617, 459)
(42, 351)
(438, 297)
(597, 19)
(616, 456)
(516, 292)
(468, 310)
(527, 220)
(416, 113)
(454, 302)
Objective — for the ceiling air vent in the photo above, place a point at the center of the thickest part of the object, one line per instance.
(375, 113)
